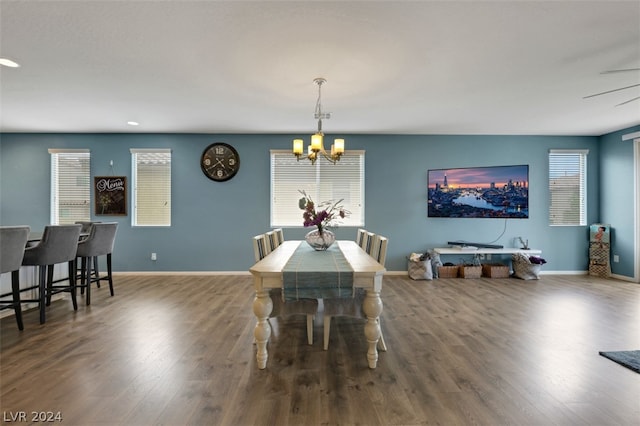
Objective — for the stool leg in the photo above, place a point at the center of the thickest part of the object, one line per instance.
(42, 272)
(49, 283)
(96, 272)
(15, 289)
(109, 273)
(72, 283)
(87, 274)
(83, 277)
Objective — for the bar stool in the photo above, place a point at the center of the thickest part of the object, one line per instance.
(59, 244)
(100, 242)
(86, 229)
(13, 240)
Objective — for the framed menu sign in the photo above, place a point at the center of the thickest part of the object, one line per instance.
(110, 193)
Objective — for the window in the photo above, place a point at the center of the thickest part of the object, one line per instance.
(151, 175)
(70, 186)
(323, 181)
(568, 187)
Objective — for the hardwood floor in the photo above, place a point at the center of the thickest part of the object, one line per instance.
(176, 350)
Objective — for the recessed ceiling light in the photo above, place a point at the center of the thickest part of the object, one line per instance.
(133, 123)
(8, 63)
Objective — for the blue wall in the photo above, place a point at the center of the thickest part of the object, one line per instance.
(616, 197)
(213, 222)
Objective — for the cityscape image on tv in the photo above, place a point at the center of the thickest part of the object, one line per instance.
(484, 192)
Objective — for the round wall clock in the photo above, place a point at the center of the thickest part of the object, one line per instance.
(220, 162)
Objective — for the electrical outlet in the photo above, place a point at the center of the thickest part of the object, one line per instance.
(488, 256)
(616, 258)
(153, 256)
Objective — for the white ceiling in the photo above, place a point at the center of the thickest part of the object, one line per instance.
(394, 67)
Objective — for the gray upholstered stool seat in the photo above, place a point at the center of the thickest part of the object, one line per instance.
(100, 242)
(13, 240)
(59, 244)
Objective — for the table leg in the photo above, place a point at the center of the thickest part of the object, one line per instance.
(262, 307)
(372, 307)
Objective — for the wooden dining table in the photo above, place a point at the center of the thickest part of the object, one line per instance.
(268, 274)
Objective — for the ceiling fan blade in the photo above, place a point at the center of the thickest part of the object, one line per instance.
(611, 91)
(616, 71)
(630, 100)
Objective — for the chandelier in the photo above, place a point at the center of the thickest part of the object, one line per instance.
(316, 147)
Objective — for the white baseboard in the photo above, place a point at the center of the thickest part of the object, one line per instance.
(543, 272)
(182, 273)
(625, 278)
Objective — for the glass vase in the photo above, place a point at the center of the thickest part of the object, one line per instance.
(320, 241)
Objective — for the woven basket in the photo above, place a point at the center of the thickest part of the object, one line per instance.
(523, 268)
(599, 270)
(420, 269)
(447, 271)
(495, 270)
(470, 271)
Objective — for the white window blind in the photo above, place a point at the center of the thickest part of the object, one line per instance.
(323, 181)
(568, 187)
(151, 175)
(70, 186)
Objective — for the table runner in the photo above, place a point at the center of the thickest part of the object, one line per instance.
(317, 274)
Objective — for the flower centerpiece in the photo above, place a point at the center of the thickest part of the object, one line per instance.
(325, 215)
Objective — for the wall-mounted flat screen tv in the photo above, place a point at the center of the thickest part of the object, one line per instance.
(485, 192)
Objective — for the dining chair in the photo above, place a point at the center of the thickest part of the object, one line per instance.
(352, 306)
(259, 247)
(370, 242)
(267, 244)
(13, 241)
(100, 242)
(364, 242)
(282, 308)
(272, 240)
(379, 250)
(280, 235)
(360, 234)
(59, 244)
